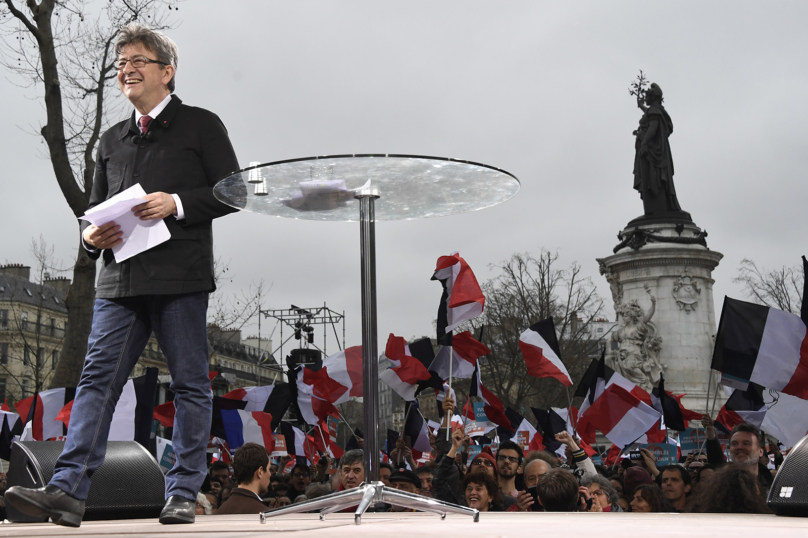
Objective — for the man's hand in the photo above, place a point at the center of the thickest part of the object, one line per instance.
(650, 462)
(283, 463)
(709, 426)
(524, 501)
(158, 205)
(360, 443)
(102, 237)
(458, 436)
(566, 439)
(448, 406)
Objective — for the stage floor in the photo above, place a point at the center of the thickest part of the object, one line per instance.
(514, 525)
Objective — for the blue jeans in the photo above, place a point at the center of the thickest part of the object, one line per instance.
(121, 330)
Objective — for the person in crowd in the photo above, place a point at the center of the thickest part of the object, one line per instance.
(276, 479)
(321, 469)
(617, 483)
(404, 480)
(577, 455)
(633, 478)
(251, 468)
(273, 466)
(559, 491)
(649, 498)
(216, 487)
(426, 474)
(203, 506)
(300, 499)
(533, 471)
(385, 470)
(733, 490)
(282, 488)
(746, 447)
(509, 464)
(482, 492)
(402, 453)
(602, 492)
(300, 477)
(213, 500)
(676, 486)
(351, 469)
(225, 494)
(448, 481)
(221, 471)
(315, 490)
(703, 475)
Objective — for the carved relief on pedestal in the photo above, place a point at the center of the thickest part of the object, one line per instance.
(686, 292)
(634, 347)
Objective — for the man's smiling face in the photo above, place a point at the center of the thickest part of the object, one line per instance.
(145, 86)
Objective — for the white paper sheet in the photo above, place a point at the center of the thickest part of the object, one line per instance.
(138, 235)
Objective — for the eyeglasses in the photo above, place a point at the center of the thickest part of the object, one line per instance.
(482, 461)
(137, 62)
(508, 458)
(298, 474)
(598, 492)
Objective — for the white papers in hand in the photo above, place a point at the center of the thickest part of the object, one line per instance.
(138, 235)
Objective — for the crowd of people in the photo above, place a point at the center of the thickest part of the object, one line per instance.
(509, 480)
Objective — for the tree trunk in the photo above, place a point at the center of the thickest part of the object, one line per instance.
(79, 302)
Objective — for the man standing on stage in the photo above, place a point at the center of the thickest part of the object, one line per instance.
(177, 153)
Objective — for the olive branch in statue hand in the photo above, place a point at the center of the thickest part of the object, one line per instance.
(638, 88)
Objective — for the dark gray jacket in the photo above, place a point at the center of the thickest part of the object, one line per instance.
(187, 153)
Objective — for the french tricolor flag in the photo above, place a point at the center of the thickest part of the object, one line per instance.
(762, 345)
(465, 350)
(272, 399)
(539, 346)
(462, 297)
(248, 427)
(41, 411)
(619, 415)
(406, 372)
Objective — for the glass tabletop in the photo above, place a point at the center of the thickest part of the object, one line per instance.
(408, 187)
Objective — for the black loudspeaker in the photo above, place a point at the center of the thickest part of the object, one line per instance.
(128, 485)
(788, 495)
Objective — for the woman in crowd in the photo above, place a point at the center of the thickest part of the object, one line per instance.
(649, 498)
(482, 493)
(733, 490)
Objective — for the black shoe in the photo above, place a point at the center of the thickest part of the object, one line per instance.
(178, 510)
(49, 501)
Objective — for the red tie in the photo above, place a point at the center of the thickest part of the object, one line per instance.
(144, 123)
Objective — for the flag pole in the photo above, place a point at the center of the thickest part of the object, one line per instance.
(709, 386)
(451, 363)
(569, 410)
(403, 429)
(715, 397)
(347, 424)
(325, 445)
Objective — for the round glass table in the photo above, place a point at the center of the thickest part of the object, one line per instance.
(366, 188)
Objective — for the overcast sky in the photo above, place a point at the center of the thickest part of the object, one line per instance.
(539, 89)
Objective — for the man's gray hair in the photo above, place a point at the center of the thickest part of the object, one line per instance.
(162, 46)
(351, 457)
(589, 479)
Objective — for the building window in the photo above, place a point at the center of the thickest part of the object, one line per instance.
(3, 389)
(26, 357)
(25, 388)
(4, 319)
(53, 327)
(3, 353)
(40, 358)
(600, 329)
(54, 359)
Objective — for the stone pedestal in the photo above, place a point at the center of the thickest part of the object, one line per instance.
(671, 262)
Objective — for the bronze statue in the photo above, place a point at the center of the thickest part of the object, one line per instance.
(653, 165)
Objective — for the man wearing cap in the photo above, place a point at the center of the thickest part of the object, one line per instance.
(405, 480)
